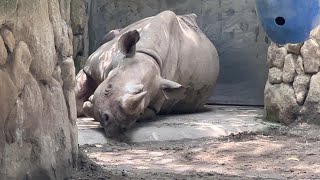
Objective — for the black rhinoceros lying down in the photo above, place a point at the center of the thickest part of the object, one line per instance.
(159, 64)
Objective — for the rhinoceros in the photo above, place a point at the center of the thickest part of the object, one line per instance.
(160, 64)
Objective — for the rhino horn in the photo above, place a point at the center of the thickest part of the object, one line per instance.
(130, 102)
(127, 43)
(171, 89)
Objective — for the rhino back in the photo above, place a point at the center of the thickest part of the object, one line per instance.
(186, 55)
(106, 57)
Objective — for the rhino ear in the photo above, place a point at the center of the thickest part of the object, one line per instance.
(127, 43)
(171, 89)
(130, 102)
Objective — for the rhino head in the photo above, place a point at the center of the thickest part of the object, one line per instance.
(123, 96)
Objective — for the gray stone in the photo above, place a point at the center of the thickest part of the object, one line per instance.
(21, 64)
(65, 8)
(280, 103)
(79, 62)
(314, 90)
(8, 39)
(294, 48)
(299, 66)
(38, 137)
(60, 29)
(289, 68)
(315, 34)
(301, 86)
(57, 74)
(311, 56)
(7, 9)
(34, 27)
(275, 75)
(71, 106)
(8, 95)
(77, 45)
(3, 52)
(270, 54)
(79, 16)
(276, 56)
(311, 110)
(68, 74)
(24, 123)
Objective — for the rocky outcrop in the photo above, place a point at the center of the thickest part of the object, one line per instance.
(79, 23)
(38, 138)
(293, 87)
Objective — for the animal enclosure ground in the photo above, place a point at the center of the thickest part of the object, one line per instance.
(280, 153)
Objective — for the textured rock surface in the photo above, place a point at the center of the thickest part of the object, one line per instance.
(38, 138)
(3, 52)
(311, 56)
(276, 56)
(275, 75)
(79, 22)
(311, 110)
(9, 39)
(301, 86)
(294, 48)
(299, 92)
(280, 103)
(289, 68)
(299, 66)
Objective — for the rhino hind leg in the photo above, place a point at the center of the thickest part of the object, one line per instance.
(85, 87)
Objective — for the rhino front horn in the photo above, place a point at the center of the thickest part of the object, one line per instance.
(130, 102)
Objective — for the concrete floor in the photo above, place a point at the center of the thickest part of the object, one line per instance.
(218, 121)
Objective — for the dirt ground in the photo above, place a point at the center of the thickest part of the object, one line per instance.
(283, 153)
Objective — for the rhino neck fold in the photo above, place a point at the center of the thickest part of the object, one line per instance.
(153, 55)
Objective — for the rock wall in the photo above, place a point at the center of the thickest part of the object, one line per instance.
(38, 136)
(79, 23)
(232, 25)
(293, 86)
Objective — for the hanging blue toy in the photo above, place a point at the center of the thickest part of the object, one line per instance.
(288, 21)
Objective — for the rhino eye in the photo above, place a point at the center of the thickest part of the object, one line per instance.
(108, 89)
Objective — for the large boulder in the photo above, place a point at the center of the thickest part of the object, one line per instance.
(280, 103)
(79, 23)
(311, 109)
(297, 92)
(38, 138)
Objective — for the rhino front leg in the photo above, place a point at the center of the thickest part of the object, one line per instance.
(148, 114)
(88, 108)
(85, 87)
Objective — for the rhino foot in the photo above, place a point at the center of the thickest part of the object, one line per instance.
(88, 109)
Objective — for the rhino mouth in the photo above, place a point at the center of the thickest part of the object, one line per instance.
(111, 129)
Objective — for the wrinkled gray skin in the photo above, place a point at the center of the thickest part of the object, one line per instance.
(161, 64)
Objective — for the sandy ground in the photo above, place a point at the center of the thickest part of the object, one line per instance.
(282, 153)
